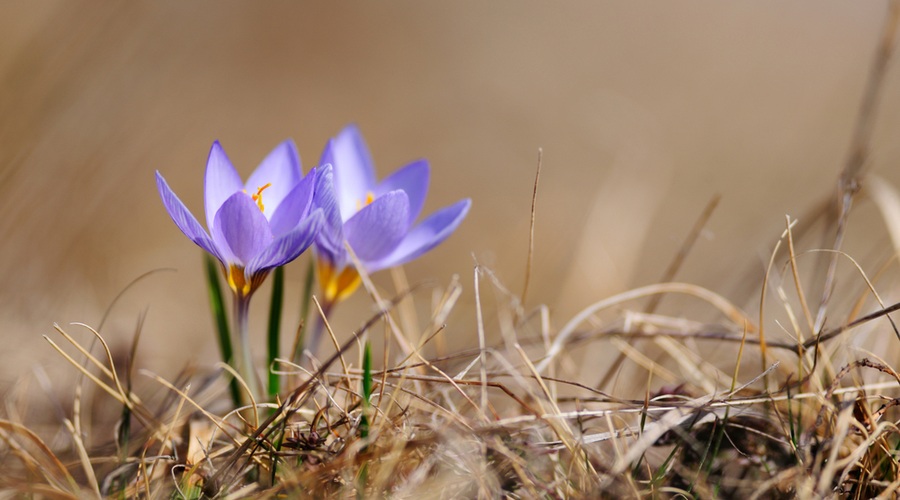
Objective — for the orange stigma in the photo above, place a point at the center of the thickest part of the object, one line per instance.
(258, 196)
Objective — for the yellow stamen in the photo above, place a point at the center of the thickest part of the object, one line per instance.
(337, 286)
(370, 197)
(258, 196)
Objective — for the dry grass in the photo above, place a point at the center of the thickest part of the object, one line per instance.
(770, 405)
(797, 399)
(720, 408)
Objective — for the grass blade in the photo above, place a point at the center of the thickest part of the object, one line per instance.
(305, 301)
(367, 390)
(364, 423)
(274, 334)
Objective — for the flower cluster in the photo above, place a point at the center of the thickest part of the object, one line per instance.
(260, 225)
(278, 213)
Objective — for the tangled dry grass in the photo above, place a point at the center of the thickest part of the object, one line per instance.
(724, 408)
(776, 405)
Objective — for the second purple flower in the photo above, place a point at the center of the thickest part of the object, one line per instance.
(377, 219)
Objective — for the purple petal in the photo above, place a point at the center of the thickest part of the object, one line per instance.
(183, 218)
(241, 228)
(281, 169)
(354, 173)
(330, 240)
(288, 246)
(222, 181)
(379, 227)
(413, 179)
(422, 238)
(294, 207)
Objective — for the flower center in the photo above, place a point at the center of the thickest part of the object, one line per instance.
(370, 197)
(242, 285)
(237, 281)
(258, 196)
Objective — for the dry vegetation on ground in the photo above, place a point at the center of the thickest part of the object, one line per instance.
(797, 398)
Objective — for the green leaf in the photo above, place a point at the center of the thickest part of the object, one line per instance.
(218, 310)
(362, 478)
(274, 336)
(367, 391)
(367, 374)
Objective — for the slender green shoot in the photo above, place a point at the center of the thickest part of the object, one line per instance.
(367, 391)
(305, 302)
(637, 465)
(659, 477)
(274, 334)
(364, 420)
(790, 412)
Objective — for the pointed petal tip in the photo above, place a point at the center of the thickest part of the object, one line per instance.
(221, 180)
(216, 147)
(290, 147)
(215, 151)
(413, 179)
(184, 220)
(352, 129)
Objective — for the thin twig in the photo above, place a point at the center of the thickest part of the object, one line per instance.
(529, 261)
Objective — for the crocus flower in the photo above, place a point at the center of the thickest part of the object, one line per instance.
(377, 219)
(253, 227)
(257, 226)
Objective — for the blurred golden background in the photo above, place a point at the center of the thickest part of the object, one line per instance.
(644, 111)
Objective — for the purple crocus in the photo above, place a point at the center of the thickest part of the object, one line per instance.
(257, 226)
(377, 219)
(253, 227)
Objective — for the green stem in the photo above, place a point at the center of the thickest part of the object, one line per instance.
(241, 316)
(224, 334)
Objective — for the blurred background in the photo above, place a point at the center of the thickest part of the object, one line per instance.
(644, 112)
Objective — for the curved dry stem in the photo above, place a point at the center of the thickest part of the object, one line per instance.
(731, 311)
(121, 398)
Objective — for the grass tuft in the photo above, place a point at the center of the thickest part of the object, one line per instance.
(492, 422)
